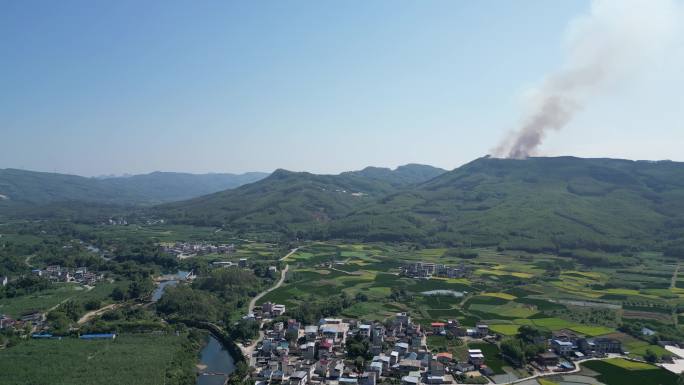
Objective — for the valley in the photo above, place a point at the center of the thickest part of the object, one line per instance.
(473, 256)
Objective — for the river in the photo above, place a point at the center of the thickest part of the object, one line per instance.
(168, 280)
(216, 360)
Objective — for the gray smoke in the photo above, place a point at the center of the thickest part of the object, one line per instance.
(616, 39)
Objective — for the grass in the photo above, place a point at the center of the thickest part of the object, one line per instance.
(128, 360)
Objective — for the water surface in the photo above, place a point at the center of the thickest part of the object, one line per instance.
(217, 364)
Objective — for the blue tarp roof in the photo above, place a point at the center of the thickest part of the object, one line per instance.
(96, 336)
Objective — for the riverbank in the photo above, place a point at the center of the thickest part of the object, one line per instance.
(240, 362)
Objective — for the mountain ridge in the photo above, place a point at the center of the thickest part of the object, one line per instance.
(538, 204)
(24, 187)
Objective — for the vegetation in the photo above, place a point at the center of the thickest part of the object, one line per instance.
(26, 188)
(615, 373)
(130, 359)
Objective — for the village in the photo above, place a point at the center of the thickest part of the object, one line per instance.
(395, 351)
(191, 249)
(426, 270)
(79, 275)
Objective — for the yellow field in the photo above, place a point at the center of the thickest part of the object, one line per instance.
(500, 272)
(505, 296)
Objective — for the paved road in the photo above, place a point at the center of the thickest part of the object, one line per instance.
(290, 253)
(248, 350)
(252, 303)
(538, 375)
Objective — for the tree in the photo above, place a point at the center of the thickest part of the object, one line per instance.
(512, 349)
(118, 294)
(532, 334)
(291, 336)
(93, 304)
(650, 356)
(245, 329)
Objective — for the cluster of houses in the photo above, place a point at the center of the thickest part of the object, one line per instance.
(296, 354)
(426, 270)
(241, 263)
(64, 274)
(190, 249)
(272, 310)
(117, 222)
(36, 320)
(568, 344)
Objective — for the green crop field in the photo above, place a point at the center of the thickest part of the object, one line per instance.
(616, 374)
(46, 299)
(505, 290)
(492, 358)
(128, 360)
(629, 365)
(505, 329)
(591, 330)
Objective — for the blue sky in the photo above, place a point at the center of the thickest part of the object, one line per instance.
(128, 87)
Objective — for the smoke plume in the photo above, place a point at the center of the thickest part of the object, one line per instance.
(613, 42)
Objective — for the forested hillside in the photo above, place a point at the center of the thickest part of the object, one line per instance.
(557, 204)
(27, 189)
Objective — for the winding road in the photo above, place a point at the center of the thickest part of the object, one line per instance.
(249, 349)
(577, 369)
(252, 303)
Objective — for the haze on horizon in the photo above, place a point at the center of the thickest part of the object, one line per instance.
(124, 87)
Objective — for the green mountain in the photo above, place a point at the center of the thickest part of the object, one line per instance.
(537, 204)
(21, 188)
(159, 187)
(534, 204)
(401, 176)
(289, 200)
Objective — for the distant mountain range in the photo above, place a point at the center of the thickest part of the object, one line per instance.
(535, 204)
(288, 200)
(31, 188)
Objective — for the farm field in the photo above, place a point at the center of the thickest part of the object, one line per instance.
(504, 289)
(621, 372)
(128, 360)
(46, 299)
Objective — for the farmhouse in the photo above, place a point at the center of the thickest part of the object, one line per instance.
(599, 346)
(562, 348)
(271, 309)
(547, 359)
